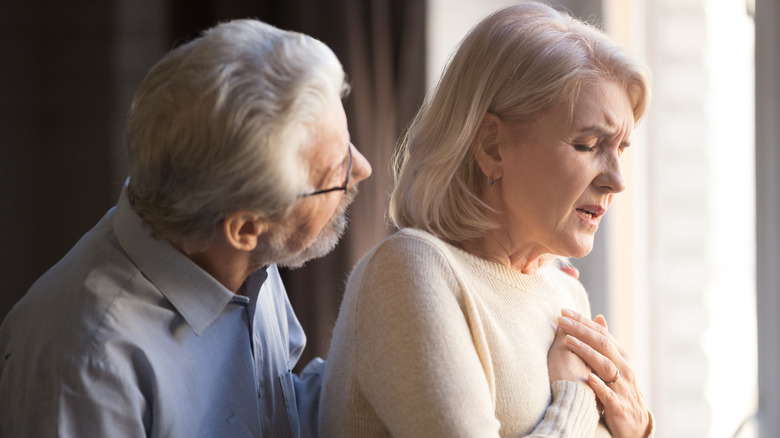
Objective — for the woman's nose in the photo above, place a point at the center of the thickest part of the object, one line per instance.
(611, 178)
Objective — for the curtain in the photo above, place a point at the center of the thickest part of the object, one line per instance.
(56, 177)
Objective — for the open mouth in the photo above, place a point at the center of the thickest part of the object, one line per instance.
(591, 213)
(588, 213)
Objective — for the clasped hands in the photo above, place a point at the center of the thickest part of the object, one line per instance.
(585, 352)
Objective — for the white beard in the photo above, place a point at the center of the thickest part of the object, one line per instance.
(277, 250)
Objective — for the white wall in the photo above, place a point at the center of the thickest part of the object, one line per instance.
(730, 340)
(701, 217)
(448, 23)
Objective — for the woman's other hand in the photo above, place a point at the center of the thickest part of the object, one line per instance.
(613, 378)
(563, 364)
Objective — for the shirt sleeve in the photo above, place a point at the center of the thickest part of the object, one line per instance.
(82, 397)
(308, 384)
(96, 400)
(307, 396)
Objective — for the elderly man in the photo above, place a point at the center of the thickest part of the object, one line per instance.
(169, 318)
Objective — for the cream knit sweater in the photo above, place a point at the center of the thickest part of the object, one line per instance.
(432, 341)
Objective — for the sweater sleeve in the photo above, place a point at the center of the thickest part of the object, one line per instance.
(417, 363)
(571, 414)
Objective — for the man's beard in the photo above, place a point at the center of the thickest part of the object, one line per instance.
(277, 249)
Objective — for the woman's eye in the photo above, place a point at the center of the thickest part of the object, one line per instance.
(584, 148)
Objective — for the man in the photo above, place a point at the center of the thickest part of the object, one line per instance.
(169, 318)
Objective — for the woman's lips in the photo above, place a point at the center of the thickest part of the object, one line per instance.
(591, 213)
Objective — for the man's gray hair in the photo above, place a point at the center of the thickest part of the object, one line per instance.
(221, 123)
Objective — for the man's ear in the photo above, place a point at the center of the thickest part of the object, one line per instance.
(486, 146)
(242, 229)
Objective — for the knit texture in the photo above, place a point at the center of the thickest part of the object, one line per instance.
(433, 341)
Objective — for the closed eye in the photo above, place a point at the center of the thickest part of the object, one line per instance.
(584, 148)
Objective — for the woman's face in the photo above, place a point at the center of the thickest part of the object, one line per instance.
(558, 178)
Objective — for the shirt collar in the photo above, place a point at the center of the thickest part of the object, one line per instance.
(198, 296)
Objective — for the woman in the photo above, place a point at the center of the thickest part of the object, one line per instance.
(448, 328)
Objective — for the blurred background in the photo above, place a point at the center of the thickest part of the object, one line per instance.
(685, 266)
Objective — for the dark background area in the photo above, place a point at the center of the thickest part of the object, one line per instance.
(68, 74)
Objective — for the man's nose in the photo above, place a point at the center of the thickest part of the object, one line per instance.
(361, 168)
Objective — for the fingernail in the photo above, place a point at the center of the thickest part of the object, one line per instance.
(567, 312)
(566, 322)
(572, 340)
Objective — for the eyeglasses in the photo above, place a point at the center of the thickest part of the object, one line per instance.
(345, 187)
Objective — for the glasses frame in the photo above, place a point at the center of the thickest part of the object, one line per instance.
(344, 187)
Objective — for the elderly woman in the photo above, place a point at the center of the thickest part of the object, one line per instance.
(448, 328)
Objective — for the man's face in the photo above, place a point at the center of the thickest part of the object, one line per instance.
(316, 223)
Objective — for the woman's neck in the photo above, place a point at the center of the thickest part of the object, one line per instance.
(498, 246)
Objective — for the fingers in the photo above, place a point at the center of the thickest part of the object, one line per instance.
(571, 270)
(593, 332)
(564, 364)
(593, 325)
(601, 364)
(600, 320)
(603, 392)
(593, 343)
(597, 338)
(626, 414)
(612, 378)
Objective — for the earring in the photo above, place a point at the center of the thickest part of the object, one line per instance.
(491, 181)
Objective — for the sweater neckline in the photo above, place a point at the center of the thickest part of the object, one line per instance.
(496, 270)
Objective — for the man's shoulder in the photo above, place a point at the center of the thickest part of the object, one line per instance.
(79, 301)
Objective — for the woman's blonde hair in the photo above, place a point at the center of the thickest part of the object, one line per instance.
(220, 125)
(517, 63)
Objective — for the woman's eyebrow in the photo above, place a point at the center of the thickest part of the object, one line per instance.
(604, 131)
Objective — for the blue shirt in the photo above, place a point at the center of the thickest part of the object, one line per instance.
(125, 336)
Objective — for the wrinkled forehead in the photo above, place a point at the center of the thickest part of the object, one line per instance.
(603, 102)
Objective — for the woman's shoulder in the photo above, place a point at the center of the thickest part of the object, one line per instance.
(409, 253)
(410, 243)
(417, 236)
(407, 269)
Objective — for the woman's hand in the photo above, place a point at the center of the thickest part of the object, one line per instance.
(613, 378)
(563, 364)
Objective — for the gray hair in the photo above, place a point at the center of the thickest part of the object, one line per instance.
(517, 63)
(220, 125)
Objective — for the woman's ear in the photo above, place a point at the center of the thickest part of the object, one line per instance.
(486, 146)
(242, 229)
